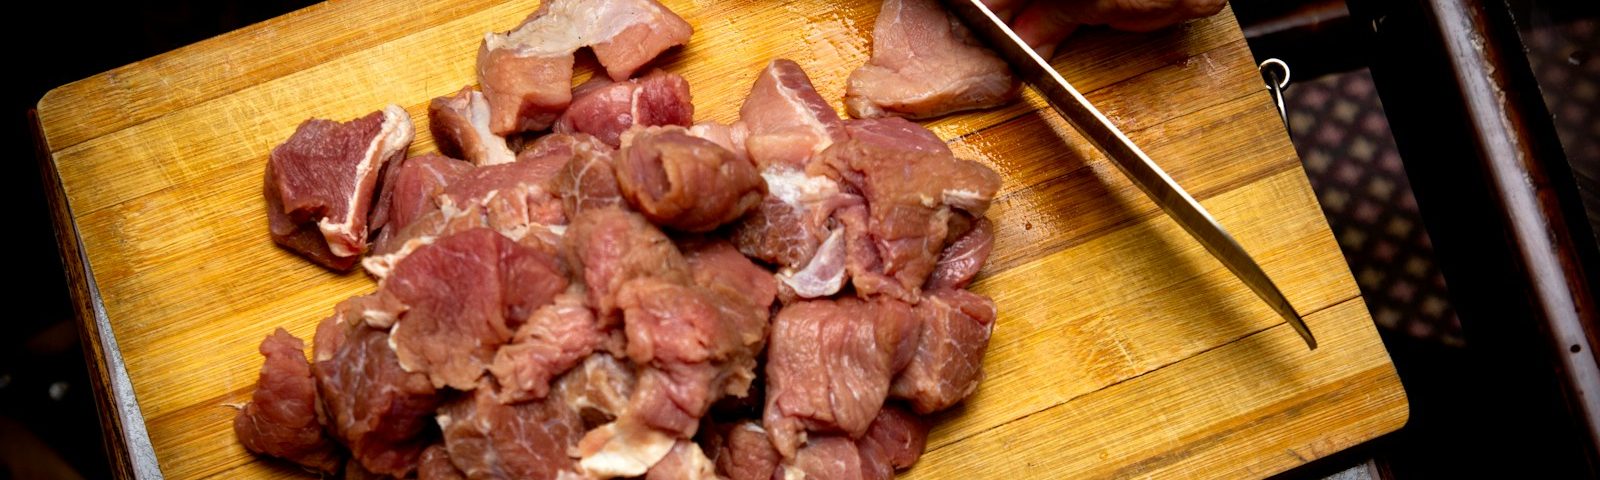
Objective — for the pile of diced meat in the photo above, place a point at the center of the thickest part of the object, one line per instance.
(584, 283)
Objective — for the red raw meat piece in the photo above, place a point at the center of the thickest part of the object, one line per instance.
(610, 246)
(948, 365)
(605, 109)
(552, 340)
(435, 465)
(460, 126)
(283, 418)
(963, 258)
(377, 409)
(684, 182)
(925, 64)
(488, 439)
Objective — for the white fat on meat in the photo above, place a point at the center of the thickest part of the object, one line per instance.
(824, 274)
(622, 449)
(393, 137)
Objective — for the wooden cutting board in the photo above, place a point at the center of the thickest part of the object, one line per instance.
(1122, 348)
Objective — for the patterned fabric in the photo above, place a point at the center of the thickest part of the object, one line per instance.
(1339, 128)
(1562, 57)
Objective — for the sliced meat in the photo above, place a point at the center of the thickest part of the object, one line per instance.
(526, 74)
(829, 365)
(948, 365)
(925, 64)
(788, 121)
(283, 417)
(963, 258)
(605, 109)
(378, 410)
(588, 181)
(322, 180)
(488, 439)
(684, 182)
(611, 246)
(554, 339)
(435, 465)
(464, 296)
(460, 126)
(684, 462)
(911, 196)
(743, 452)
(894, 441)
(409, 192)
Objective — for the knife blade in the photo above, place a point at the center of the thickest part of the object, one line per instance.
(1133, 162)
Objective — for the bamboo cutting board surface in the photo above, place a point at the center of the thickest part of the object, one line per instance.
(1122, 348)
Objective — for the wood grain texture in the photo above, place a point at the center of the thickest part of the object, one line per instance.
(1122, 349)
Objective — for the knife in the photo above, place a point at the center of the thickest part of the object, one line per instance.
(1106, 137)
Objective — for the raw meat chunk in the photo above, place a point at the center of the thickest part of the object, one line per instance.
(684, 462)
(588, 181)
(894, 441)
(829, 365)
(697, 345)
(949, 361)
(526, 74)
(611, 246)
(963, 258)
(322, 179)
(409, 191)
(684, 182)
(742, 452)
(598, 389)
(731, 137)
(788, 121)
(834, 457)
(435, 465)
(720, 268)
(553, 340)
(515, 197)
(605, 109)
(377, 409)
(460, 126)
(897, 133)
(925, 64)
(488, 439)
(283, 418)
(464, 296)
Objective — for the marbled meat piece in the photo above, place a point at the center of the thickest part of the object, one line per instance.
(515, 197)
(489, 439)
(283, 418)
(792, 229)
(323, 178)
(829, 365)
(435, 465)
(685, 182)
(465, 294)
(925, 64)
(717, 266)
(788, 121)
(963, 258)
(526, 74)
(460, 126)
(948, 365)
(554, 339)
(608, 247)
(605, 109)
(684, 462)
(589, 180)
(742, 452)
(378, 410)
(409, 192)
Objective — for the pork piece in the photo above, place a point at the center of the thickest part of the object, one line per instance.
(623, 448)
(605, 109)
(894, 441)
(465, 294)
(557, 149)
(409, 191)
(526, 74)
(588, 181)
(949, 361)
(609, 247)
(717, 266)
(488, 439)
(731, 137)
(696, 345)
(435, 465)
(911, 196)
(322, 180)
(896, 133)
(378, 410)
(554, 339)
(925, 64)
(834, 457)
(684, 182)
(963, 258)
(598, 389)
(742, 452)
(684, 462)
(791, 229)
(460, 126)
(515, 197)
(788, 121)
(829, 365)
(282, 418)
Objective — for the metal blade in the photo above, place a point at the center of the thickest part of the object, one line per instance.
(1134, 163)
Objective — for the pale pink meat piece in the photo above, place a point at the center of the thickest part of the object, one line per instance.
(744, 453)
(731, 136)
(830, 363)
(323, 178)
(897, 133)
(606, 109)
(526, 73)
(608, 247)
(963, 258)
(684, 182)
(409, 192)
(557, 148)
(834, 457)
(684, 462)
(925, 64)
(377, 409)
(435, 465)
(788, 121)
(488, 439)
(460, 126)
(465, 294)
(554, 339)
(283, 418)
(948, 364)
(588, 181)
